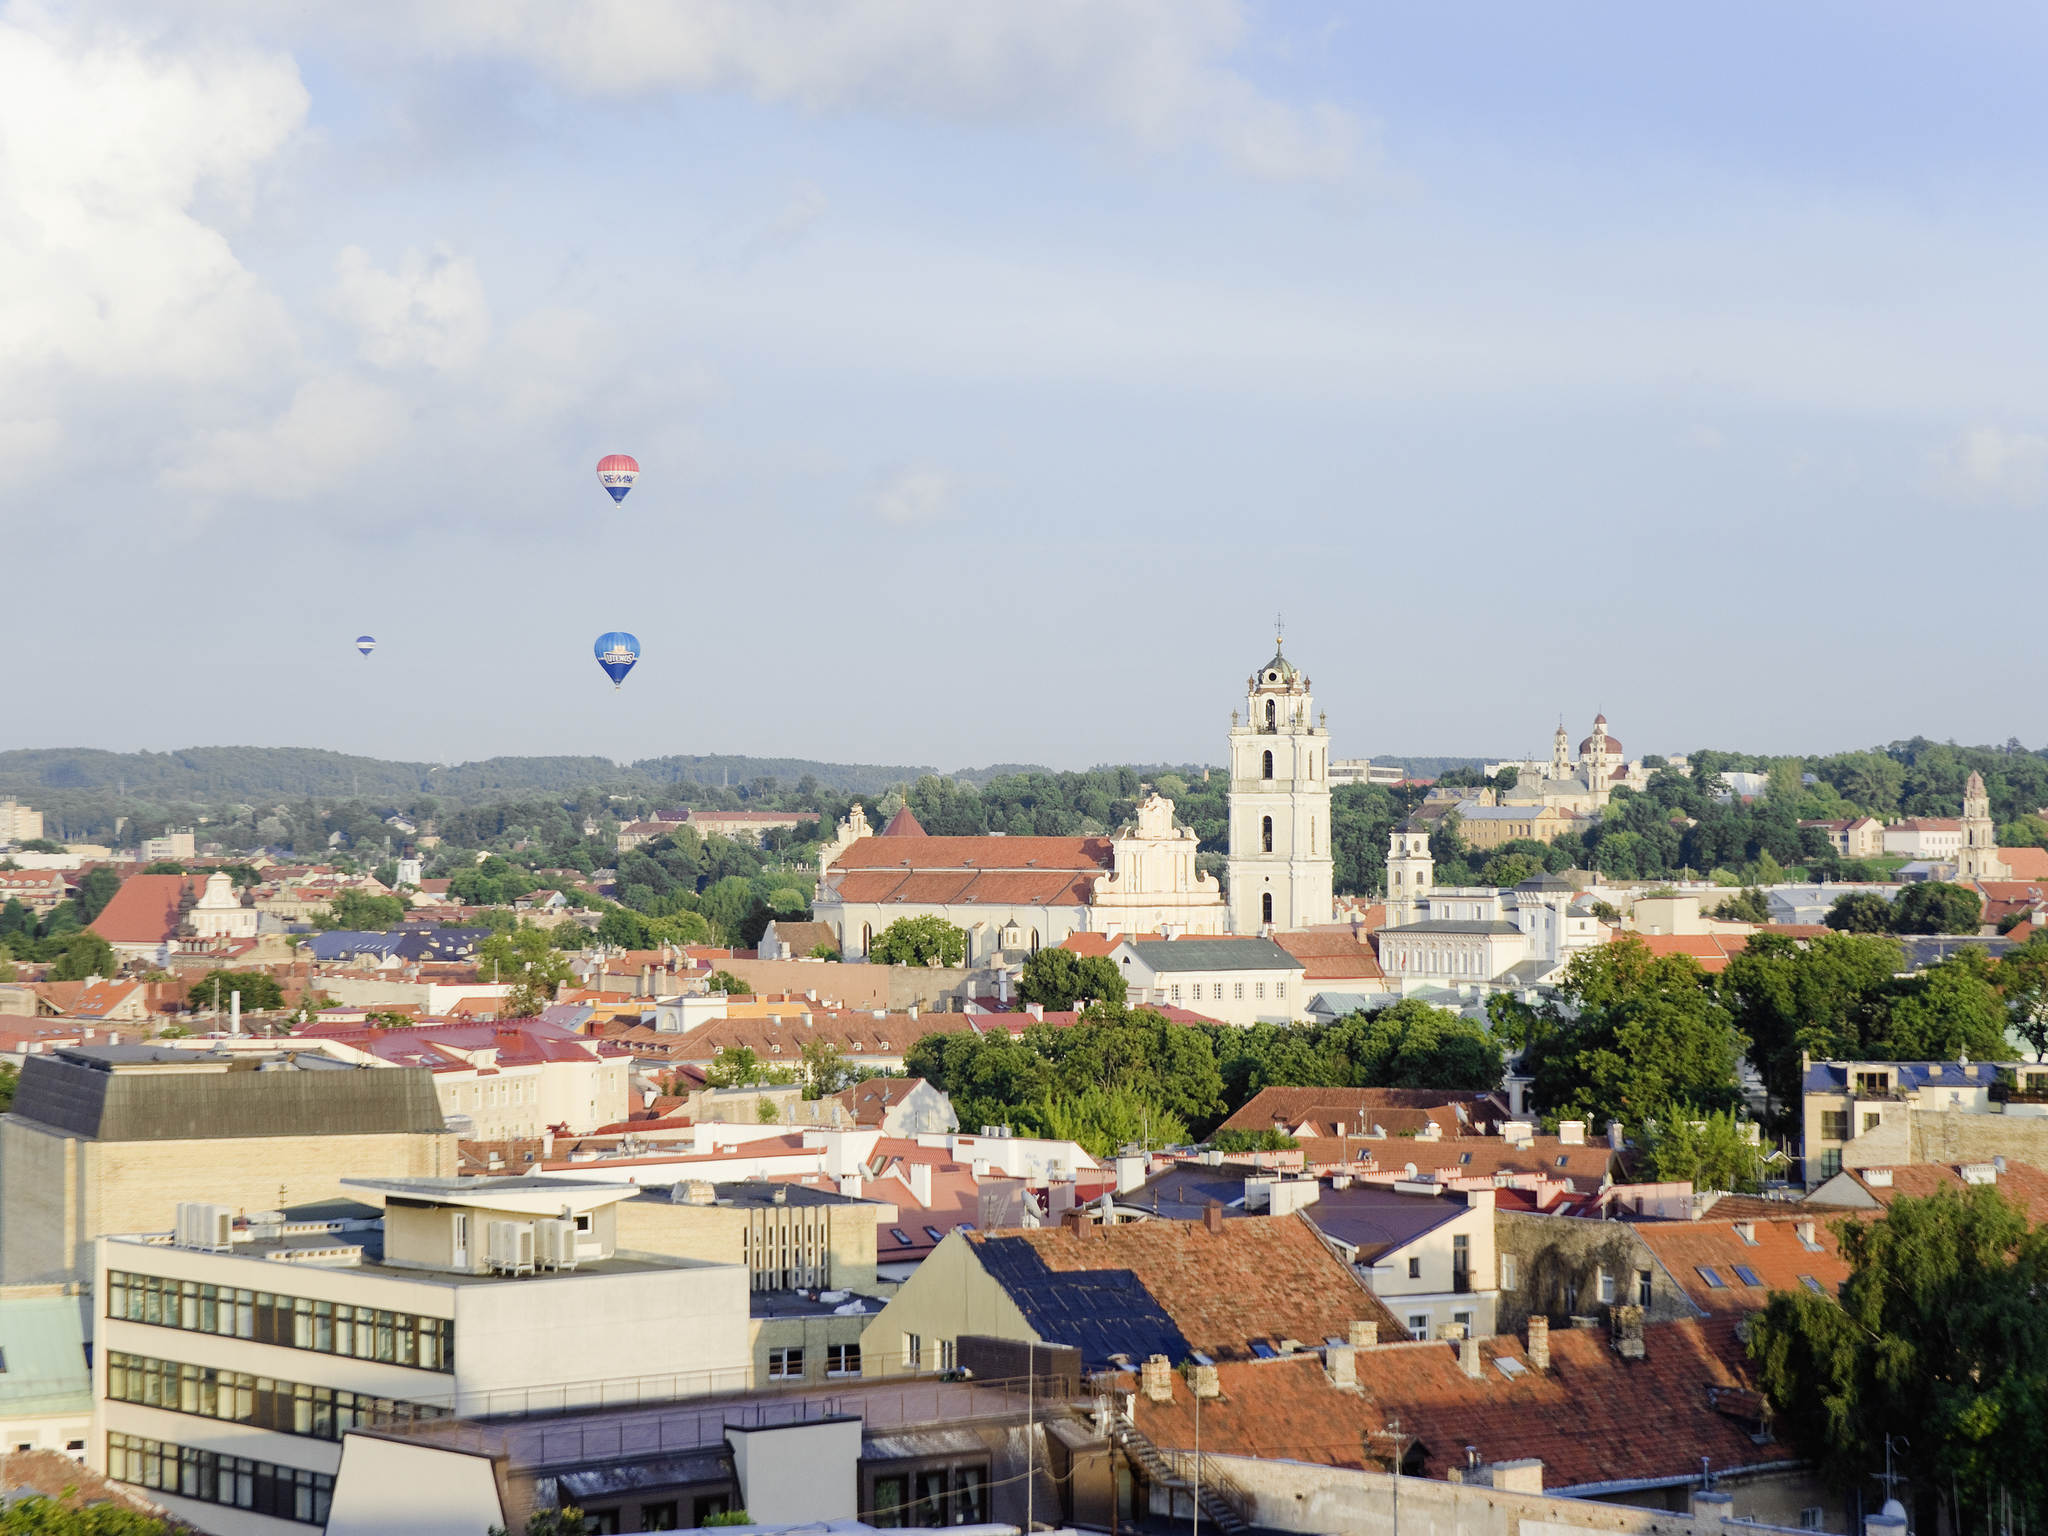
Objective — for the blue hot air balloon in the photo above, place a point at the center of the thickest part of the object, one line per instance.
(366, 643)
(616, 653)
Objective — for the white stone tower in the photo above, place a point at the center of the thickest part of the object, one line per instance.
(1560, 754)
(1281, 874)
(1977, 858)
(1411, 872)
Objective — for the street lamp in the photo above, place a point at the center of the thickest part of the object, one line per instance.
(1401, 1443)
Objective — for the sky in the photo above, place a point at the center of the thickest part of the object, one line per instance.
(1000, 371)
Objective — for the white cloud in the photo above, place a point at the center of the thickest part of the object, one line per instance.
(27, 446)
(1154, 72)
(430, 312)
(912, 496)
(105, 143)
(2009, 466)
(334, 424)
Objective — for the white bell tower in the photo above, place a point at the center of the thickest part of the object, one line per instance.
(1281, 872)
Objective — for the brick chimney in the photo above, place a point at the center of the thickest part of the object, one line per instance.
(1340, 1365)
(1628, 1331)
(1539, 1341)
(1212, 1216)
(1365, 1335)
(1075, 1220)
(1155, 1379)
(1206, 1382)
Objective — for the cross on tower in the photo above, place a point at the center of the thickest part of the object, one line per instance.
(1279, 630)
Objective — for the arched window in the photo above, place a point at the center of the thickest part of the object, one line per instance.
(1266, 834)
(867, 937)
(1311, 834)
(1034, 941)
(1269, 767)
(1266, 907)
(1272, 715)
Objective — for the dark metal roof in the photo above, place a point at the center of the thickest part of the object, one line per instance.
(1247, 954)
(1376, 1220)
(1100, 1312)
(152, 1093)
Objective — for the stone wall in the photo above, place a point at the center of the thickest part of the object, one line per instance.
(1552, 1254)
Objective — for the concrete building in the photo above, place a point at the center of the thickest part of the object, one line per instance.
(1425, 1249)
(1875, 1114)
(177, 843)
(18, 823)
(1237, 979)
(1924, 837)
(1860, 837)
(1481, 937)
(232, 1361)
(1280, 869)
(112, 1138)
(45, 1376)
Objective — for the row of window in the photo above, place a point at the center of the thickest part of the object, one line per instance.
(288, 1407)
(936, 1496)
(788, 1364)
(1604, 1284)
(914, 1353)
(283, 1493)
(295, 1322)
(1419, 1324)
(1236, 988)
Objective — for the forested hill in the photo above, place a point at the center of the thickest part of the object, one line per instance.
(266, 773)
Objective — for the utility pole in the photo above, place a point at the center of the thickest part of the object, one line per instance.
(1195, 1512)
(1393, 1432)
(1030, 1412)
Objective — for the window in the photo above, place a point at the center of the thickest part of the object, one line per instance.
(1266, 833)
(1747, 1275)
(1259, 987)
(660, 1517)
(1831, 1162)
(1237, 990)
(785, 1365)
(935, 1234)
(1418, 1326)
(1873, 1082)
(1643, 1284)
(913, 1351)
(1265, 916)
(235, 1397)
(1174, 991)
(326, 1327)
(1812, 1285)
(1507, 1271)
(1834, 1125)
(1813, 1518)
(283, 1493)
(1872, 1119)
(1463, 1320)
(1272, 719)
(902, 1237)
(1712, 1277)
(1415, 1267)
(842, 1359)
(1267, 772)
(947, 1356)
(1606, 1286)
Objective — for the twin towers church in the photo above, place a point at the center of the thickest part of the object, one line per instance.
(1013, 895)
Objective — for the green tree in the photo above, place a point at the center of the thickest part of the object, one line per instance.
(1715, 1151)
(826, 1070)
(95, 891)
(1058, 979)
(1943, 1012)
(1940, 1329)
(738, 1066)
(10, 1079)
(1253, 1141)
(84, 954)
(926, 940)
(566, 1521)
(260, 992)
(2021, 976)
(163, 867)
(1822, 999)
(37, 1515)
(1749, 906)
(1137, 1052)
(527, 958)
(1412, 1045)
(1860, 912)
(726, 982)
(1106, 1120)
(1504, 870)
(17, 922)
(2028, 831)
(1934, 906)
(989, 1077)
(1625, 1034)
(362, 912)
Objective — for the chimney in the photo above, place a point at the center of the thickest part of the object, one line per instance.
(1340, 1365)
(1075, 1220)
(920, 1177)
(1365, 1335)
(1155, 1380)
(1711, 1504)
(1539, 1341)
(850, 1185)
(1571, 1133)
(1212, 1216)
(1628, 1331)
(1805, 1232)
(1206, 1382)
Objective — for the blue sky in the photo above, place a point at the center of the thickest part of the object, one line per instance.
(998, 370)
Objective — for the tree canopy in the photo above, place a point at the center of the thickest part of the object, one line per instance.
(924, 940)
(1934, 906)
(528, 959)
(1058, 979)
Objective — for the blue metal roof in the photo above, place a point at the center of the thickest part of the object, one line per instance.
(1101, 1312)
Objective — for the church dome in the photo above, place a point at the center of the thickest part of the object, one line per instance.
(1613, 743)
(1279, 669)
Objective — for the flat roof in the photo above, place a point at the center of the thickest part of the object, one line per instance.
(276, 1252)
(523, 1192)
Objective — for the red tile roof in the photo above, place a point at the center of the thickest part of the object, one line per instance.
(1592, 1418)
(2026, 863)
(144, 910)
(903, 824)
(1778, 1258)
(1256, 1277)
(2021, 1183)
(1331, 954)
(1324, 1109)
(1091, 854)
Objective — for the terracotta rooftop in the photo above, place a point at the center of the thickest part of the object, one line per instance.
(1323, 1110)
(1723, 1271)
(1592, 1418)
(145, 909)
(1331, 954)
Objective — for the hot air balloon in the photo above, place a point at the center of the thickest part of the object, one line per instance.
(366, 643)
(616, 653)
(616, 472)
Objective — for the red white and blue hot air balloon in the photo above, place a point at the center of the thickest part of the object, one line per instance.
(616, 472)
(366, 643)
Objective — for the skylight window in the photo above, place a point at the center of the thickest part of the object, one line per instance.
(1510, 1368)
(901, 1236)
(1713, 1279)
(934, 1234)
(1747, 1275)
(1263, 1350)
(1812, 1285)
